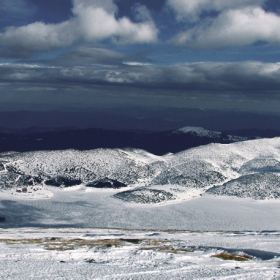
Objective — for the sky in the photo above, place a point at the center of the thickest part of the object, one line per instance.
(76, 54)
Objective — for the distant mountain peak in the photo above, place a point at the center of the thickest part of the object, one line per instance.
(203, 132)
(199, 131)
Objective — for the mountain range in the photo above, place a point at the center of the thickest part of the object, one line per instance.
(244, 169)
(159, 143)
(134, 118)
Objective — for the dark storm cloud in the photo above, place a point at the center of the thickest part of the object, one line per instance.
(248, 78)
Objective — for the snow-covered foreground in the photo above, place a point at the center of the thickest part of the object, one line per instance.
(38, 253)
(61, 242)
(127, 214)
(58, 238)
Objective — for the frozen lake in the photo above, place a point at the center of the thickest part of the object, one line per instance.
(97, 209)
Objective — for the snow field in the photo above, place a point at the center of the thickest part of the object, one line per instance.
(133, 254)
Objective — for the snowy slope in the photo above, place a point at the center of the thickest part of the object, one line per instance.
(244, 169)
(257, 186)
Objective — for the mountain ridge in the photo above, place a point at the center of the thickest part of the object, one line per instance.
(158, 143)
(215, 168)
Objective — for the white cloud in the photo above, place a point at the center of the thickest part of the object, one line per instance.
(233, 28)
(97, 24)
(92, 21)
(191, 9)
(132, 63)
(39, 36)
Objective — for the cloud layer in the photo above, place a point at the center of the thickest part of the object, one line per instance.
(107, 48)
(243, 77)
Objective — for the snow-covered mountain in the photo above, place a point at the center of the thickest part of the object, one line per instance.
(202, 132)
(243, 169)
(199, 131)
